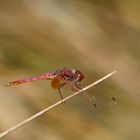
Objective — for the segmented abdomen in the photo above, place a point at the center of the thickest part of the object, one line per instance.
(40, 77)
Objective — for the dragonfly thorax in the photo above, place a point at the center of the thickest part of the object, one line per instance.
(71, 75)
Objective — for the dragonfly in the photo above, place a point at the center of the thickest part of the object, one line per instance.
(59, 78)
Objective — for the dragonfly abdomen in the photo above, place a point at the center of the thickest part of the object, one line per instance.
(40, 77)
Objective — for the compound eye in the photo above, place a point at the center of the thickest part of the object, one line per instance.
(80, 75)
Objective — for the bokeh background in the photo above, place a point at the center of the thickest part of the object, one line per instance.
(94, 36)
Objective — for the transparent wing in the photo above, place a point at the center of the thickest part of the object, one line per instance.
(85, 95)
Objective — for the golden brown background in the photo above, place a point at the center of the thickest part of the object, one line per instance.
(96, 37)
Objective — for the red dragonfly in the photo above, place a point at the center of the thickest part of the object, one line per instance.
(59, 78)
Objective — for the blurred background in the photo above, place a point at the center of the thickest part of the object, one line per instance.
(95, 37)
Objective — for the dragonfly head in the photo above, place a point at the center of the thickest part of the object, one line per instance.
(80, 75)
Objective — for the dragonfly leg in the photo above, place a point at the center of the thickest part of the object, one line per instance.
(59, 87)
